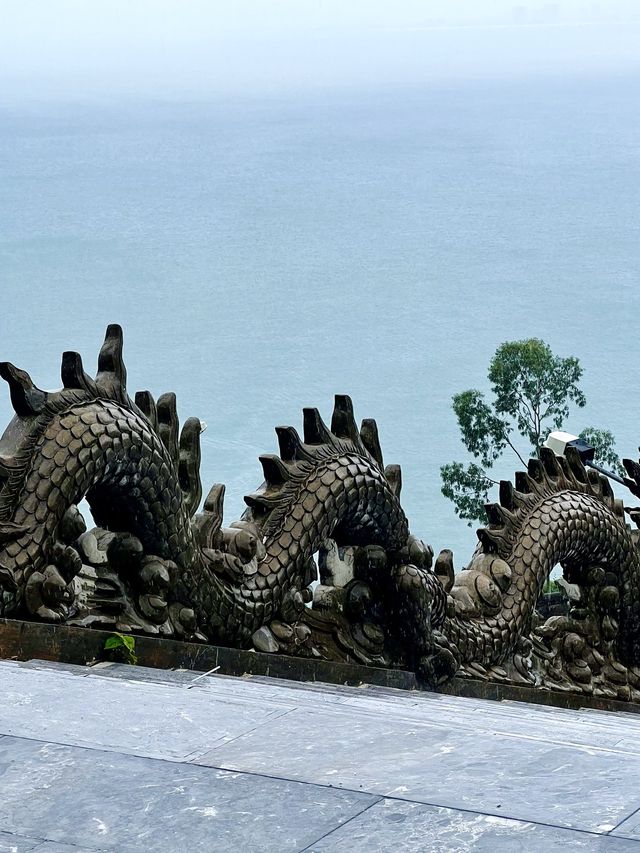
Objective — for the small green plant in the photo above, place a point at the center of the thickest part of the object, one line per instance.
(122, 648)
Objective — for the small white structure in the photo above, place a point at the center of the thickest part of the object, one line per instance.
(558, 441)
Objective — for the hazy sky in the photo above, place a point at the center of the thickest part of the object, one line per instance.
(84, 47)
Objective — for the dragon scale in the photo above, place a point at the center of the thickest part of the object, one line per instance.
(563, 528)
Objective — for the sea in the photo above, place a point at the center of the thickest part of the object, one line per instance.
(265, 253)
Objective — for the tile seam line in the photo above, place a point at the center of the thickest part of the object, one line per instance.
(325, 786)
(190, 757)
(493, 732)
(556, 742)
(333, 829)
(633, 838)
(624, 819)
(193, 763)
(279, 713)
(454, 808)
(41, 841)
(38, 838)
(71, 846)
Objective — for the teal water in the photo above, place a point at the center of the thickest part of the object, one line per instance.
(263, 255)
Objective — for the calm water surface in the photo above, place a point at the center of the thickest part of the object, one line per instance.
(264, 255)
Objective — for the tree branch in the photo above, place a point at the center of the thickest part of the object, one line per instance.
(516, 452)
(531, 413)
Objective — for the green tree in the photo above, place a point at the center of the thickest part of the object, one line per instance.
(533, 391)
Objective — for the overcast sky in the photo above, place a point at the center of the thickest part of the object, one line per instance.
(207, 47)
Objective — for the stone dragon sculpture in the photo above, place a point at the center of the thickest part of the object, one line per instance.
(322, 563)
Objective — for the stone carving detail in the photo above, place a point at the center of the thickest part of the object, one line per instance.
(322, 563)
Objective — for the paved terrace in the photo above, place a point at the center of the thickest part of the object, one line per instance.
(118, 758)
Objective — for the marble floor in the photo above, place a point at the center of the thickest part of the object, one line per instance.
(118, 758)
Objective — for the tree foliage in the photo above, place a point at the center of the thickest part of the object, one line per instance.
(534, 387)
(533, 391)
(468, 487)
(604, 444)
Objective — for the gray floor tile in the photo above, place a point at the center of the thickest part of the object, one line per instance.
(503, 760)
(278, 691)
(137, 717)
(596, 728)
(604, 729)
(409, 827)
(505, 776)
(106, 801)
(565, 730)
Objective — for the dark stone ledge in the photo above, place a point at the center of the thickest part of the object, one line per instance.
(39, 640)
(28, 640)
(476, 689)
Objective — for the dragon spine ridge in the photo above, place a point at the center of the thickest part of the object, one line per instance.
(122, 454)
